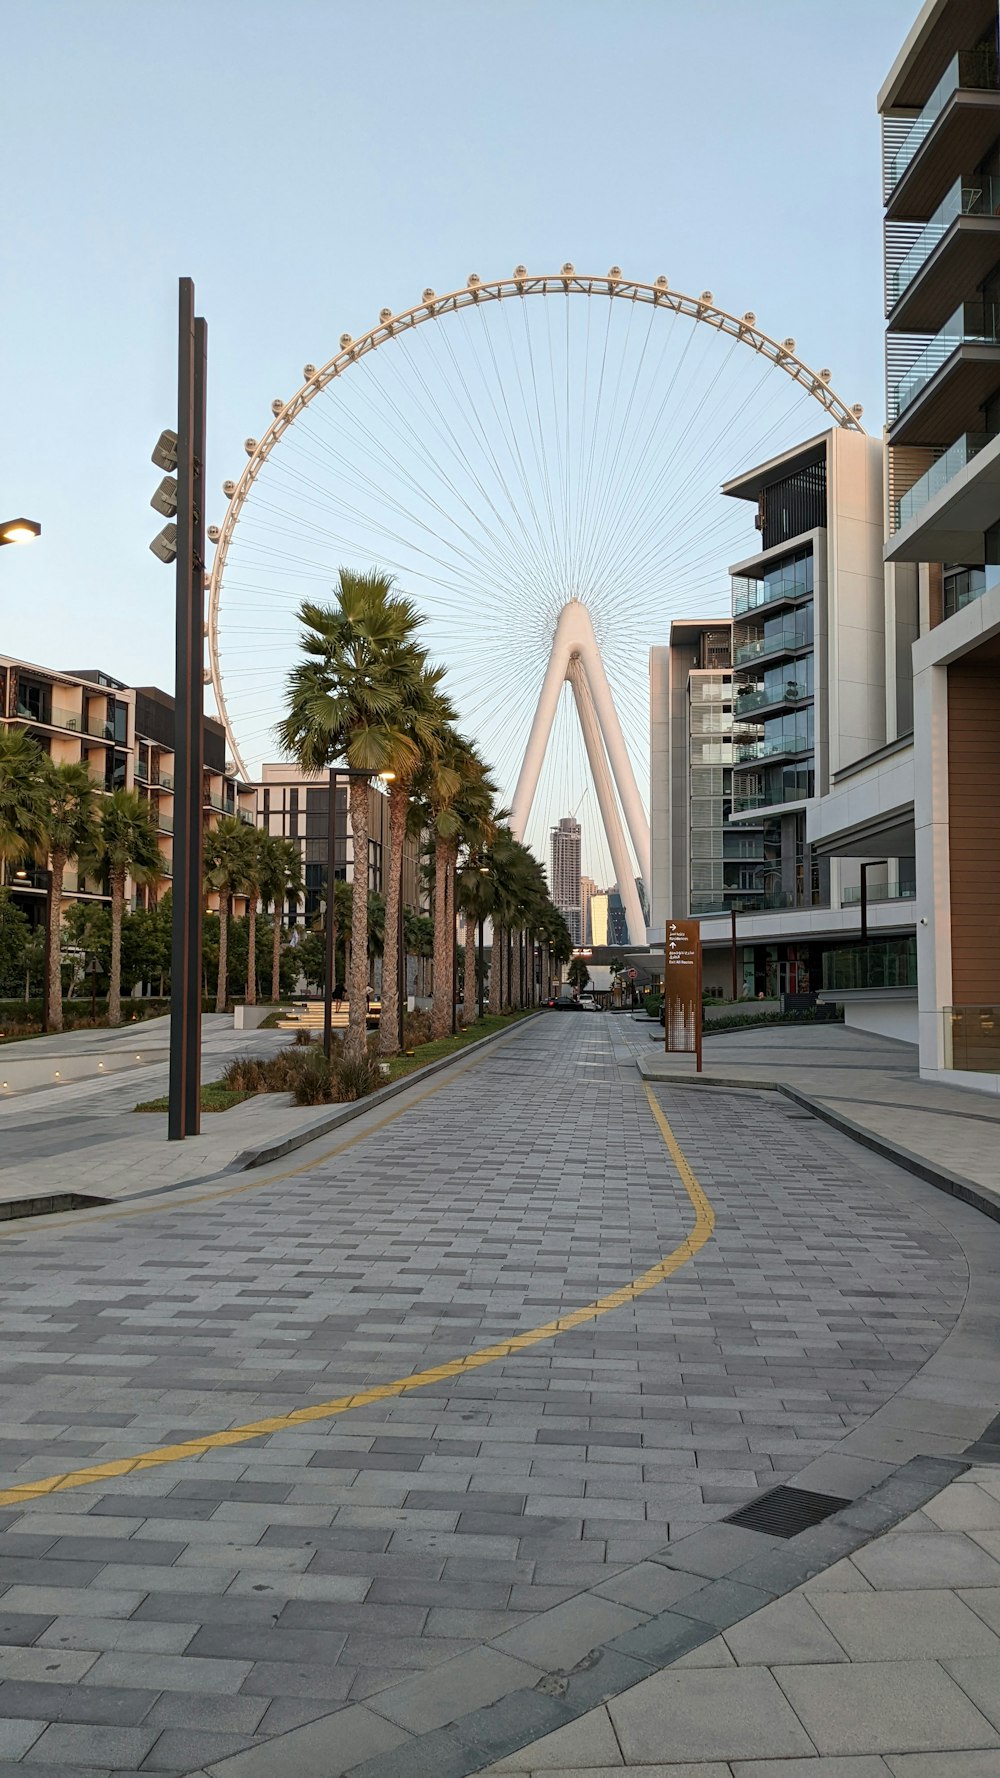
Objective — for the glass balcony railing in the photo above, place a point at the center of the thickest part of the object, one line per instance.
(966, 585)
(884, 963)
(976, 68)
(851, 896)
(750, 595)
(772, 747)
(760, 697)
(164, 823)
(163, 782)
(940, 473)
(979, 196)
(974, 324)
(972, 1038)
(782, 639)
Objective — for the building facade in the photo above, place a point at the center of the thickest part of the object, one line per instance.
(564, 873)
(295, 805)
(588, 889)
(931, 791)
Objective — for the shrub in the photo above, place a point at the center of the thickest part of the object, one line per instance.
(416, 1029)
(247, 1074)
(354, 1076)
(314, 1084)
(303, 1040)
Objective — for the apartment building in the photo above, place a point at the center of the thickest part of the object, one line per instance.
(295, 805)
(932, 787)
(125, 735)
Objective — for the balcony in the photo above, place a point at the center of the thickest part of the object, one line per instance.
(972, 70)
(163, 782)
(770, 697)
(851, 896)
(750, 595)
(954, 251)
(56, 718)
(785, 639)
(164, 823)
(776, 747)
(941, 472)
(947, 384)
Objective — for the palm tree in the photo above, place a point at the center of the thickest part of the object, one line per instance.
(457, 793)
(345, 700)
(279, 880)
(227, 861)
(124, 845)
(476, 900)
(21, 799)
(424, 713)
(67, 828)
(256, 865)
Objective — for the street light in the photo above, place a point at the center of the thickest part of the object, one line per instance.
(389, 777)
(19, 531)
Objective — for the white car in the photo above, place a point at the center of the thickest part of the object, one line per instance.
(588, 1002)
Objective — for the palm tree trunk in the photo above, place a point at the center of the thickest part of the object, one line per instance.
(388, 1029)
(115, 978)
(471, 984)
(222, 984)
(252, 950)
(53, 987)
(493, 997)
(444, 924)
(357, 993)
(276, 952)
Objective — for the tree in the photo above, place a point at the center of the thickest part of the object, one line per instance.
(256, 865)
(22, 797)
(578, 975)
(227, 850)
(279, 881)
(424, 712)
(345, 700)
(14, 932)
(124, 845)
(68, 831)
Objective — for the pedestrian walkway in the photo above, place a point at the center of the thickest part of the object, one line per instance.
(887, 1665)
(372, 1460)
(869, 1081)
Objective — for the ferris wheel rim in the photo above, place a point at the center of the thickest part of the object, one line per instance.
(432, 307)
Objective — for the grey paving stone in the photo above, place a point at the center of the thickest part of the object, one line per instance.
(911, 1560)
(17, 1734)
(84, 1744)
(589, 1741)
(357, 1735)
(925, 1625)
(105, 1634)
(166, 1673)
(716, 1551)
(661, 1639)
(867, 1766)
(721, 1603)
(21, 1627)
(430, 1700)
(174, 1749)
(301, 1679)
(51, 1702)
(558, 1638)
(45, 1664)
(707, 1715)
(982, 1764)
(979, 1677)
(890, 1707)
(785, 1632)
(186, 1710)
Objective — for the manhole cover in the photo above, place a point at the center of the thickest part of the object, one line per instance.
(784, 1512)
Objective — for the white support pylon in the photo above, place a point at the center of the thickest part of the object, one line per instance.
(575, 656)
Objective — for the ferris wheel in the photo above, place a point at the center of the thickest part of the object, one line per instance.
(542, 478)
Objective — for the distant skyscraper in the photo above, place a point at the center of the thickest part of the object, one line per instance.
(564, 874)
(587, 888)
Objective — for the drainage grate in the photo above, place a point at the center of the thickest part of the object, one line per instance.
(784, 1512)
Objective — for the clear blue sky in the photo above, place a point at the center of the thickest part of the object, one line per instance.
(309, 161)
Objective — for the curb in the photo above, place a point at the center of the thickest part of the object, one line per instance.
(721, 1594)
(942, 1178)
(345, 1114)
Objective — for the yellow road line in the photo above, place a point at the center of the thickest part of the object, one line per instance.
(456, 1367)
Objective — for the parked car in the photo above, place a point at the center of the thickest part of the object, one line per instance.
(588, 1003)
(565, 1003)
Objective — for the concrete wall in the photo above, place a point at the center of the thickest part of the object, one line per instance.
(897, 1017)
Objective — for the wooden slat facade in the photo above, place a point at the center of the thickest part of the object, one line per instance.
(974, 826)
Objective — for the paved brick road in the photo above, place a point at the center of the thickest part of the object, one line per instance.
(165, 1620)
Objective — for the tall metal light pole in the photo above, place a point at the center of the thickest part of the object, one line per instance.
(184, 1114)
(331, 915)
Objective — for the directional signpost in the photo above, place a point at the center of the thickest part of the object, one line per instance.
(682, 988)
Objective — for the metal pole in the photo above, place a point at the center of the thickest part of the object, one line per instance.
(481, 983)
(732, 928)
(864, 904)
(401, 947)
(331, 918)
(454, 955)
(184, 1115)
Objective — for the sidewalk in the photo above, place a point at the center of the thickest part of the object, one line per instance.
(887, 1665)
(866, 1084)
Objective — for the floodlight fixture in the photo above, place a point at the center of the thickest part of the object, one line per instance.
(164, 452)
(164, 544)
(19, 531)
(164, 501)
